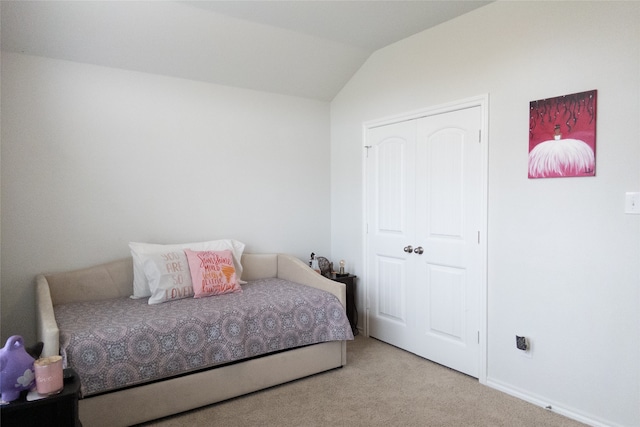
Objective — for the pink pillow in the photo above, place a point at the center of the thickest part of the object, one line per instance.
(212, 272)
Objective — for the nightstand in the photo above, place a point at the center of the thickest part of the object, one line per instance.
(352, 311)
(59, 409)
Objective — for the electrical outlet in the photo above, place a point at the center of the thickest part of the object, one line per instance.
(521, 343)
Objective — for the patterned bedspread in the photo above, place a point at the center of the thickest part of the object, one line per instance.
(122, 342)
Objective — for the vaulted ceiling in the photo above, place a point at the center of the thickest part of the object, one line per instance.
(300, 48)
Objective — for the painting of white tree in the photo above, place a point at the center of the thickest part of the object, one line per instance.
(562, 136)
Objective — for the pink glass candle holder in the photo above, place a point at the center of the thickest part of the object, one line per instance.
(49, 379)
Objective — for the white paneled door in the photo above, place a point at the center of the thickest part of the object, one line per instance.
(424, 223)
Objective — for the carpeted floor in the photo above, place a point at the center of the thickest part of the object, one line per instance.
(380, 386)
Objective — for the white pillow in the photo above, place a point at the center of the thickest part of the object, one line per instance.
(140, 252)
(169, 276)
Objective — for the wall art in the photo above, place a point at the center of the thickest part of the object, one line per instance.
(562, 136)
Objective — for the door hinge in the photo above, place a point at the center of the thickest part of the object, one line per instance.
(479, 135)
(478, 237)
(478, 337)
(367, 147)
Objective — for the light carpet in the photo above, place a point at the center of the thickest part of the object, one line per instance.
(381, 385)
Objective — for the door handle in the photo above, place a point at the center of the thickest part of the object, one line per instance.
(408, 249)
(419, 250)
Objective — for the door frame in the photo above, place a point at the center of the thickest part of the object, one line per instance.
(481, 101)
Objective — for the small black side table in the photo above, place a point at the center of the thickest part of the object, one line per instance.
(352, 311)
(60, 409)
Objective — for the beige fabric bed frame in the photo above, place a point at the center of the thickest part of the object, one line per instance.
(151, 401)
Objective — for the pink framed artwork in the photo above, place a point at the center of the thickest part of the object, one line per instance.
(562, 136)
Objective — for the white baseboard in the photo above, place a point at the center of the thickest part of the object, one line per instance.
(550, 406)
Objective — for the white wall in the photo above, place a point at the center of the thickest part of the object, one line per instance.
(564, 264)
(93, 158)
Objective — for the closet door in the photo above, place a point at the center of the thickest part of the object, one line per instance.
(391, 225)
(449, 270)
(423, 252)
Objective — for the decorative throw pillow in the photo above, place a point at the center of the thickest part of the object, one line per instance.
(168, 276)
(212, 273)
(140, 252)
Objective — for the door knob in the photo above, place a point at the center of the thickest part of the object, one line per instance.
(419, 250)
(408, 249)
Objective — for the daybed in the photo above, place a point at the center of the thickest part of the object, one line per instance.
(180, 392)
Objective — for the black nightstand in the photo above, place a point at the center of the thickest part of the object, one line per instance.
(352, 311)
(60, 409)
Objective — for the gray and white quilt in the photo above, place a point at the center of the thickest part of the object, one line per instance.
(122, 342)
